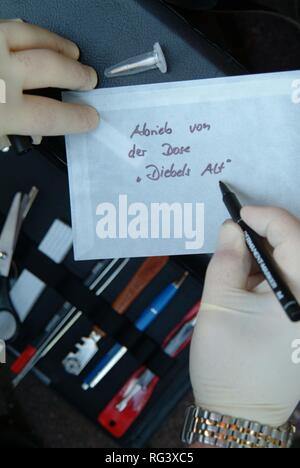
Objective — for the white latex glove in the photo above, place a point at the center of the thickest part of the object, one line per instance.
(33, 58)
(241, 355)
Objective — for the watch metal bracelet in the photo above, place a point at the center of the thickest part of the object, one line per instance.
(213, 429)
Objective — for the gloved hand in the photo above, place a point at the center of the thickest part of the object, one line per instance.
(241, 356)
(33, 58)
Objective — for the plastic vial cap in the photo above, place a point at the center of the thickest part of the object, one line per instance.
(140, 64)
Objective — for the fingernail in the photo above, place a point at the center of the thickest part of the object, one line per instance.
(92, 80)
(76, 50)
(227, 222)
(93, 118)
(13, 20)
(95, 78)
(230, 235)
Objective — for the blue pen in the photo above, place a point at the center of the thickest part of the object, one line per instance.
(142, 323)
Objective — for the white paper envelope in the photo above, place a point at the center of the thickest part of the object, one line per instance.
(146, 182)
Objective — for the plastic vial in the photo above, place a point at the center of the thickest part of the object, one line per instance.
(140, 64)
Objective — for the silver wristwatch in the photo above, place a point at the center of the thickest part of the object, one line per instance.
(205, 427)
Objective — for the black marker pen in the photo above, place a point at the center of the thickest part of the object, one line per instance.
(265, 262)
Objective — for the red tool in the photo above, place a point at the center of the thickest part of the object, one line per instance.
(127, 405)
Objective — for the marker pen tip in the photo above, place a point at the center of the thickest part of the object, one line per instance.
(224, 188)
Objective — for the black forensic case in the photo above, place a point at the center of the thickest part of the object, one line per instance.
(107, 32)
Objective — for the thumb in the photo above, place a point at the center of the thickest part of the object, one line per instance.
(231, 264)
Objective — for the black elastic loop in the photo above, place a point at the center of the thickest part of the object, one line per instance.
(144, 349)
